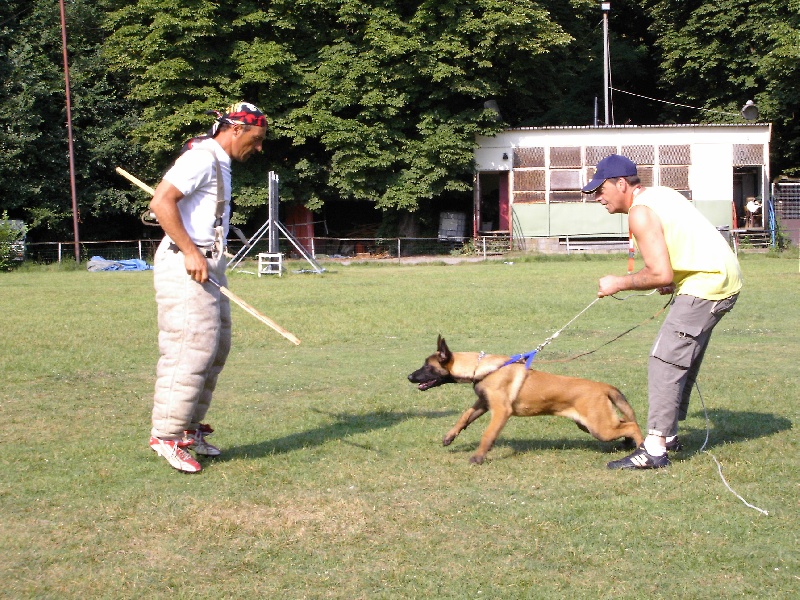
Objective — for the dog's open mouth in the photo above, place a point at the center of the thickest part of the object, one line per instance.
(426, 385)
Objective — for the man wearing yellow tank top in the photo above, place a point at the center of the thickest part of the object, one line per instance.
(683, 253)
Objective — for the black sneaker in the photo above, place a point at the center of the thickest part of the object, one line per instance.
(640, 459)
(674, 445)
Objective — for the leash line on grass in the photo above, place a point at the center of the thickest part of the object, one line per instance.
(719, 466)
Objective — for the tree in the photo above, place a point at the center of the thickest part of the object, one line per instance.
(376, 101)
(32, 112)
(34, 172)
(716, 55)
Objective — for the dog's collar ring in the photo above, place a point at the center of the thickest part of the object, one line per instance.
(481, 354)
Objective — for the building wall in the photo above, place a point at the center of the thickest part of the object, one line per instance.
(548, 166)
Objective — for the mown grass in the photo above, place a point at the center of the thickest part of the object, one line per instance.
(334, 483)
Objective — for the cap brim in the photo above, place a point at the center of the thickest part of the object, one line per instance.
(592, 186)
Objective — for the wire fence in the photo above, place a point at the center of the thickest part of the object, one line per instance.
(786, 198)
(322, 248)
(319, 247)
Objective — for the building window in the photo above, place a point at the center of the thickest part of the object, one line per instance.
(675, 177)
(675, 155)
(594, 154)
(640, 154)
(565, 174)
(565, 158)
(748, 154)
(528, 158)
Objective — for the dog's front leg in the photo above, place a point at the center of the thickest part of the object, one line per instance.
(468, 417)
(500, 416)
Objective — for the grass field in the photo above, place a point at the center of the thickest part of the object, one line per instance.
(334, 482)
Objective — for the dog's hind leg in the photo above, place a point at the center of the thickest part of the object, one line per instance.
(472, 413)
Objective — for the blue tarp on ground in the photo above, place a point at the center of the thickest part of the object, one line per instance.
(98, 263)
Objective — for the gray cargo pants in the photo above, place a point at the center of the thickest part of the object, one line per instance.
(194, 339)
(676, 358)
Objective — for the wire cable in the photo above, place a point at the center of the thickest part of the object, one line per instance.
(719, 466)
(722, 112)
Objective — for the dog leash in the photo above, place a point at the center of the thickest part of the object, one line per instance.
(529, 356)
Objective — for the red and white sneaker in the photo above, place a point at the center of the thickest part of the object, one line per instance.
(195, 440)
(176, 456)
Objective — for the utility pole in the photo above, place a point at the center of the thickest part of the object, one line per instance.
(606, 8)
(69, 136)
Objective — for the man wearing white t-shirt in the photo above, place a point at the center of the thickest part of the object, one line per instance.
(192, 205)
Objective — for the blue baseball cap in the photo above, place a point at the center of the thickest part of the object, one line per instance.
(610, 167)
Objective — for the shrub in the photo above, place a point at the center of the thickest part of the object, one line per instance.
(12, 243)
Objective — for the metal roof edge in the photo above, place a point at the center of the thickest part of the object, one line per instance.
(616, 127)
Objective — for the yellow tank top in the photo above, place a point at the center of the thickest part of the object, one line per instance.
(703, 263)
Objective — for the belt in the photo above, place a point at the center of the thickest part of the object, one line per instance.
(207, 253)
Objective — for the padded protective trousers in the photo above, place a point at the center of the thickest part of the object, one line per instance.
(194, 339)
(676, 358)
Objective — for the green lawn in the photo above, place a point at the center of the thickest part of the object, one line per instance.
(334, 482)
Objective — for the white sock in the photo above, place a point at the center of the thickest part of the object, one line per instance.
(653, 446)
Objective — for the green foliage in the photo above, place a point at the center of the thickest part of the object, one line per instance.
(396, 96)
(369, 101)
(12, 237)
(719, 54)
(376, 101)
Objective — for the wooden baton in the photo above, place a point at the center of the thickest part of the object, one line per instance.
(223, 290)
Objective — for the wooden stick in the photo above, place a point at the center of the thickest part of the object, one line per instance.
(225, 291)
(135, 181)
(249, 309)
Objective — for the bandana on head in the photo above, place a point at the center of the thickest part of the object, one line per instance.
(245, 114)
(241, 113)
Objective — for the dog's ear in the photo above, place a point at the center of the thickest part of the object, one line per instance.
(444, 352)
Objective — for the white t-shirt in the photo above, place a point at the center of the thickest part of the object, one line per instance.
(195, 176)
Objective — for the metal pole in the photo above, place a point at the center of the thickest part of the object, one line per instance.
(69, 136)
(272, 233)
(605, 7)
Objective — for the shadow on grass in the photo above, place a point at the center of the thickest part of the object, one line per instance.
(343, 425)
(726, 426)
(730, 426)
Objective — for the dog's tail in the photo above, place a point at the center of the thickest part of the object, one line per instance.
(618, 399)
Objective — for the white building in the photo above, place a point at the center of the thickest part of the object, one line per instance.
(528, 180)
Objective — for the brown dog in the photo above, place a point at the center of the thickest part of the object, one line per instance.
(514, 390)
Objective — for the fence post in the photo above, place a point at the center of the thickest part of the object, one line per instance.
(484, 247)
(398, 249)
(59, 251)
(140, 249)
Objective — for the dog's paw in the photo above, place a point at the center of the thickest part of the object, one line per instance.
(476, 460)
(447, 440)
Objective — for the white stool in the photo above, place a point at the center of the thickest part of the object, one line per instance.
(269, 263)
